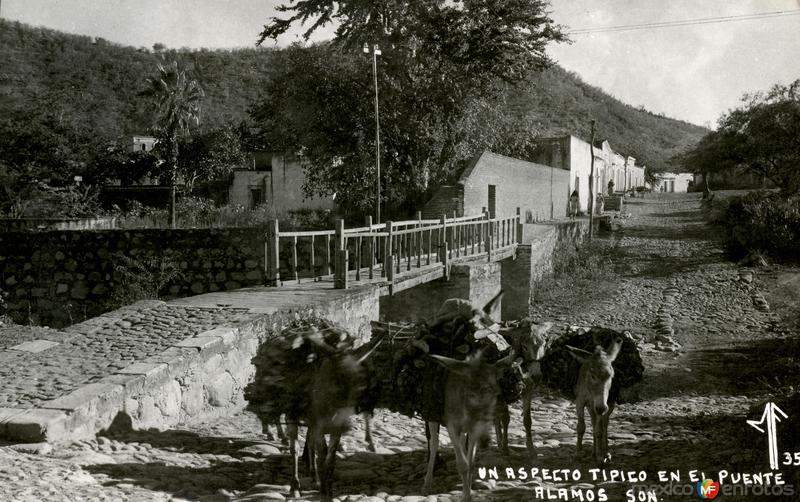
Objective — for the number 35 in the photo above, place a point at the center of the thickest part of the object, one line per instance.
(789, 459)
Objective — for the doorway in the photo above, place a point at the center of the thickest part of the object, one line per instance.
(492, 201)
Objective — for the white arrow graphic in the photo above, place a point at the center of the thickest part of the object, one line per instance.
(771, 418)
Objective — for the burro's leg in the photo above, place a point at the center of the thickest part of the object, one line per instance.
(580, 409)
(291, 433)
(432, 429)
(460, 447)
(527, 421)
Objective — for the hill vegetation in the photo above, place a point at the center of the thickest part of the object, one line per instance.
(558, 102)
(67, 99)
(91, 87)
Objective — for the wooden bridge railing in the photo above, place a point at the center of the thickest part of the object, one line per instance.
(385, 249)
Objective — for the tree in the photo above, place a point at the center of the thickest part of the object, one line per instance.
(504, 38)
(650, 176)
(442, 64)
(117, 162)
(177, 101)
(762, 135)
(317, 106)
(210, 155)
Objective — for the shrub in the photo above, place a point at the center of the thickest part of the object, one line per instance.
(763, 222)
(197, 212)
(41, 200)
(143, 278)
(585, 266)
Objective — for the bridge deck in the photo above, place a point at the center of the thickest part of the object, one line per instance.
(267, 300)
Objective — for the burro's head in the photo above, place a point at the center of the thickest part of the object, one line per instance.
(597, 372)
(473, 385)
(339, 381)
(457, 313)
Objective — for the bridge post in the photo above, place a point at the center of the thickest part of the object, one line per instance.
(340, 266)
(388, 264)
(340, 258)
(518, 239)
(456, 235)
(488, 236)
(370, 248)
(418, 237)
(272, 261)
(444, 251)
(442, 235)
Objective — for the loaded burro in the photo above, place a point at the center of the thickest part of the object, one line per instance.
(460, 369)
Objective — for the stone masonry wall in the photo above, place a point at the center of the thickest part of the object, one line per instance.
(60, 277)
(205, 376)
(477, 282)
(534, 260)
(194, 380)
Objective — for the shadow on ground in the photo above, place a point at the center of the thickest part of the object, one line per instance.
(713, 443)
(755, 368)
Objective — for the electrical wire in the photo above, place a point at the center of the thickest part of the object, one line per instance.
(686, 22)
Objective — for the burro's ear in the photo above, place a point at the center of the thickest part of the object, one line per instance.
(615, 348)
(507, 360)
(369, 352)
(542, 329)
(452, 364)
(580, 355)
(491, 304)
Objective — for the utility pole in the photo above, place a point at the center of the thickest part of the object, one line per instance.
(375, 53)
(591, 185)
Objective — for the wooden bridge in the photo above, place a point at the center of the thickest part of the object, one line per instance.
(397, 254)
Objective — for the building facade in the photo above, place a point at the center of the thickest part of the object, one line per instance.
(575, 155)
(276, 180)
(672, 182)
(500, 185)
(143, 143)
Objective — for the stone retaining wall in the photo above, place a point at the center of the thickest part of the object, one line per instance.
(56, 278)
(28, 224)
(533, 261)
(194, 380)
(477, 282)
(205, 376)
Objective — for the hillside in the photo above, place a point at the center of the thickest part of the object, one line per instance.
(73, 94)
(561, 103)
(89, 88)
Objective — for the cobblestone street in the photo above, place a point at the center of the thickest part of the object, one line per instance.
(700, 319)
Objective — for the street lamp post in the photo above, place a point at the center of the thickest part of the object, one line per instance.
(375, 53)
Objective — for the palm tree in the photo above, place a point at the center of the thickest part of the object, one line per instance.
(177, 100)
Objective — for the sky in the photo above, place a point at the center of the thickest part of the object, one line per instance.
(694, 73)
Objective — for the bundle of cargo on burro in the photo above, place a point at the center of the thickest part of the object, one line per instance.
(460, 369)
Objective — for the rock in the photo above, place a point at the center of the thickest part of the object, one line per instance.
(81, 477)
(80, 290)
(33, 448)
(354, 474)
(261, 449)
(217, 497)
